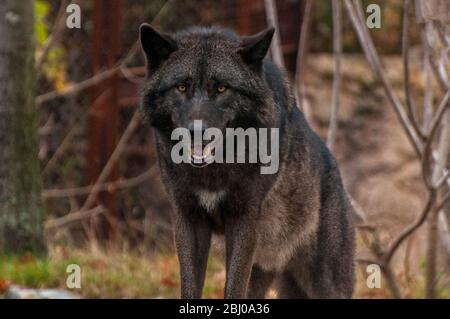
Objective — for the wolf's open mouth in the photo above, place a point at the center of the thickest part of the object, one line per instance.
(201, 155)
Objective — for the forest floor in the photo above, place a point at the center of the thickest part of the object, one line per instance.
(379, 169)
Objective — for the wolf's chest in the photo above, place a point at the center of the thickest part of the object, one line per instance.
(209, 200)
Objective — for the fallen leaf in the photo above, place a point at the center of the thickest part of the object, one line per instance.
(4, 285)
(168, 282)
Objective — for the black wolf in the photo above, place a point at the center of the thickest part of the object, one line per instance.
(294, 227)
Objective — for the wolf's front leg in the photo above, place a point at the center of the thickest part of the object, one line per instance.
(241, 242)
(192, 238)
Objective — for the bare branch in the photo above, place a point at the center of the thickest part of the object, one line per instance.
(439, 113)
(438, 73)
(76, 88)
(96, 79)
(58, 27)
(391, 280)
(366, 227)
(71, 134)
(374, 60)
(133, 124)
(444, 233)
(80, 191)
(300, 63)
(406, 81)
(445, 177)
(358, 212)
(272, 20)
(337, 47)
(411, 228)
(364, 260)
(443, 34)
(430, 137)
(428, 94)
(72, 217)
(61, 149)
(445, 103)
(302, 46)
(443, 202)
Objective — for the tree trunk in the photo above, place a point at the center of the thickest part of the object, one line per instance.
(20, 184)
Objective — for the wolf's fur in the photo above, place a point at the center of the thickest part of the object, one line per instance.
(293, 227)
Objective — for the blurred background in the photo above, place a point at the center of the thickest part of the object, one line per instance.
(99, 195)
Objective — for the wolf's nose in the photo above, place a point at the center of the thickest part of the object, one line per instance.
(197, 126)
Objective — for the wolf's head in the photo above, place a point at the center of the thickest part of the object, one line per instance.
(207, 74)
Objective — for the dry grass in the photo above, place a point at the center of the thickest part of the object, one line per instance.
(121, 274)
(107, 274)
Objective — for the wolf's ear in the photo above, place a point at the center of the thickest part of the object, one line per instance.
(157, 47)
(254, 48)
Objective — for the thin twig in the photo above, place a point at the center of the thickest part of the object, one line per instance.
(337, 47)
(438, 71)
(444, 234)
(441, 181)
(406, 79)
(81, 191)
(300, 63)
(364, 260)
(58, 27)
(78, 87)
(411, 228)
(272, 20)
(443, 34)
(428, 94)
(72, 217)
(133, 124)
(439, 112)
(445, 103)
(61, 149)
(94, 80)
(443, 202)
(358, 212)
(71, 134)
(391, 281)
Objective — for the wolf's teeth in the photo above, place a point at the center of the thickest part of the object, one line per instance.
(198, 157)
(206, 151)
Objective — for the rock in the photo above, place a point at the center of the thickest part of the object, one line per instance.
(17, 292)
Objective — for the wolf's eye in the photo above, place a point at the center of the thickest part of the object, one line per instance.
(221, 88)
(181, 88)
